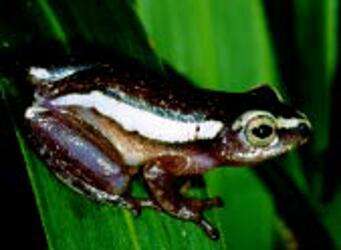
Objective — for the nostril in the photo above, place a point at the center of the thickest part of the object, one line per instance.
(304, 130)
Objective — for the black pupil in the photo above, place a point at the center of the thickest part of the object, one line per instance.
(262, 131)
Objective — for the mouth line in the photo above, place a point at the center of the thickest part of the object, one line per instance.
(304, 141)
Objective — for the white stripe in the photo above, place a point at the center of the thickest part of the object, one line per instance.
(145, 123)
(289, 123)
(54, 74)
(32, 111)
(281, 122)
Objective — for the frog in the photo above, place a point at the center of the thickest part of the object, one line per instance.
(100, 126)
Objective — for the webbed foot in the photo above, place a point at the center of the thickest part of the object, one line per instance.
(165, 191)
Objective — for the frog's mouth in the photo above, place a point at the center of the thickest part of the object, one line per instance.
(298, 135)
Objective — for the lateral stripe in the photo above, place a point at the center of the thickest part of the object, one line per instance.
(43, 74)
(289, 123)
(144, 122)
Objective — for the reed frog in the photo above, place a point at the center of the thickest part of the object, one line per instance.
(95, 125)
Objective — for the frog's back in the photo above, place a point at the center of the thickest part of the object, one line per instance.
(129, 82)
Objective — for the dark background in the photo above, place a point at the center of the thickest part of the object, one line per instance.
(20, 222)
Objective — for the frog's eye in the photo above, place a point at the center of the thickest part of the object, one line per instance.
(260, 131)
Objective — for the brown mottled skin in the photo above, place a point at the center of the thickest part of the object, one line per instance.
(57, 134)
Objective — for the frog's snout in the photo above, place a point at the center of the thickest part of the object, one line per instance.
(304, 130)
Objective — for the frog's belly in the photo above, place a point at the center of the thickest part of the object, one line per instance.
(133, 148)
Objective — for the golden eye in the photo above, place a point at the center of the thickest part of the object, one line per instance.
(260, 131)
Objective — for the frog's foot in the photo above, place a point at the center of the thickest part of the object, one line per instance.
(135, 205)
(204, 204)
(163, 188)
(200, 204)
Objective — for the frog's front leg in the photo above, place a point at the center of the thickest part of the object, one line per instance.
(81, 157)
(163, 184)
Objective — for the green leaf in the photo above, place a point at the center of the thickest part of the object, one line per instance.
(316, 33)
(332, 217)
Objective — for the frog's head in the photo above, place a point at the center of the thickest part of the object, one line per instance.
(263, 127)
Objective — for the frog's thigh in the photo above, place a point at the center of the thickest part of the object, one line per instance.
(78, 155)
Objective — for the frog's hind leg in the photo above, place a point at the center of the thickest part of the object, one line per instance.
(82, 158)
(163, 187)
(123, 200)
